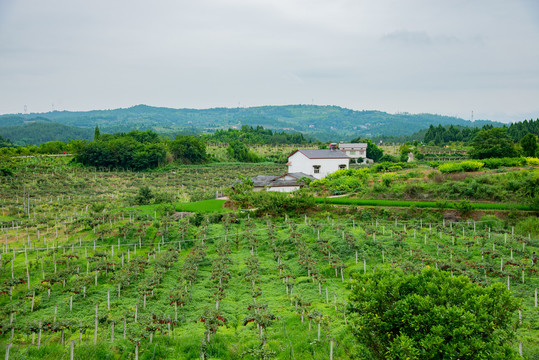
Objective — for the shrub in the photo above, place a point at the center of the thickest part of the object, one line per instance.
(495, 163)
(529, 225)
(5, 171)
(532, 161)
(450, 167)
(468, 165)
(387, 179)
(389, 158)
(272, 202)
(489, 221)
(442, 204)
(144, 196)
(471, 165)
(431, 315)
(389, 166)
(464, 207)
(163, 197)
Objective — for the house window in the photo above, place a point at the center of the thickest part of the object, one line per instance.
(352, 152)
(316, 169)
(342, 167)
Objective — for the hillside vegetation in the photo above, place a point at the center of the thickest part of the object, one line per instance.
(326, 123)
(41, 132)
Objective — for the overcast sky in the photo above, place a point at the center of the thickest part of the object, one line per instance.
(448, 57)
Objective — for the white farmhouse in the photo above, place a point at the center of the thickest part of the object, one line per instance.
(317, 163)
(355, 150)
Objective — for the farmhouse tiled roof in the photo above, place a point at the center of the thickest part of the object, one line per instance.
(272, 180)
(262, 180)
(350, 146)
(322, 154)
(299, 175)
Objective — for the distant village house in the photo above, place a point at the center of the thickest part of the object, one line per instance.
(357, 151)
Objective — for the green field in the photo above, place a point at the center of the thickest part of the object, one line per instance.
(407, 246)
(72, 240)
(205, 206)
(422, 204)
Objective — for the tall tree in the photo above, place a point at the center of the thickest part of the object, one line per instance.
(5, 142)
(529, 144)
(188, 150)
(97, 133)
(492, 143)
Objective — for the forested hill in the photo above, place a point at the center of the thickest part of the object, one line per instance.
(322, 122)
(41, 132)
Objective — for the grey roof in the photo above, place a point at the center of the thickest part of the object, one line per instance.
(262, 180)
(272, 180)
(352, 145)
(322, 154)
(299, 175)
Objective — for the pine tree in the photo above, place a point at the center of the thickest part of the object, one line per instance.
(529, 144)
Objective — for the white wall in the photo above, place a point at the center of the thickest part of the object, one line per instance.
(283, 188)
(358, 154)
(301, 163)
(278, 188)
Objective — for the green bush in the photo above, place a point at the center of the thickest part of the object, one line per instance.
(389, 158)
(5, 171)
(450, 168)
(431, 315)
(343, 181)
(390, 166)
(471, 165)
(464, 207)
(529, 225)
(272, 202)
(387, 179)
(468, 165)
(495, 163)
(489, 221)
(144, 196)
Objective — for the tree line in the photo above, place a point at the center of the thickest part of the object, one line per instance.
(255, 135)
(442, 135)
(140, 150)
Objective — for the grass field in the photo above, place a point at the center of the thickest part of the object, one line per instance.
(422, 204)
(205, 206)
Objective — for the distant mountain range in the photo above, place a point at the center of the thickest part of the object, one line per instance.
(322, 122)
